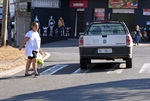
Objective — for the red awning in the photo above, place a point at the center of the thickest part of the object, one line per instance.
(78, 3)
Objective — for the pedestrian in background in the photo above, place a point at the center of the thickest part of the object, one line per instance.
(138, 35)
(32, 42)
(61, 25)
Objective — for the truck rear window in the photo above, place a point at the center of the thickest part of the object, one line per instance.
(106, 29)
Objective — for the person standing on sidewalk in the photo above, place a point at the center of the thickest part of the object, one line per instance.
(61, 25)
(32, 43)
(138, 35)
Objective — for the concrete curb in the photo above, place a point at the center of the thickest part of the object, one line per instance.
(142, 44)
(19, 68)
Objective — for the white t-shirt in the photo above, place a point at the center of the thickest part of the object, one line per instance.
(33, 44)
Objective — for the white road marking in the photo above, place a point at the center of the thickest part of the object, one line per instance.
(145, 68)
(113, 71)
(116, 71)
(53, 69)
(47, 55)
(79, 71)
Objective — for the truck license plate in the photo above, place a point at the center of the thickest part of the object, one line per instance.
(108, 50)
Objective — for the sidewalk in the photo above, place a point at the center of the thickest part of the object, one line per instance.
(19, 68)
(144, 44)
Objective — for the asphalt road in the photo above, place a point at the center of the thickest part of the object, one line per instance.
(62, 79)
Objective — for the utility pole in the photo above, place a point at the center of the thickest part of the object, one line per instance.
(4, 22)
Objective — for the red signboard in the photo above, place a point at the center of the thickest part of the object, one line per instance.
(78, 3)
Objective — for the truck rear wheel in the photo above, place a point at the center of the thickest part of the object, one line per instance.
(83, 63)
(129, 63)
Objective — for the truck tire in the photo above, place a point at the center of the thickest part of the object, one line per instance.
(83, 63)
(129, 63)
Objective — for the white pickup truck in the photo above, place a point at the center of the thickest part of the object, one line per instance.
(107, 40)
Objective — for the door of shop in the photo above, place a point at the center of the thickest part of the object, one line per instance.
(80, 22)
(127, 18)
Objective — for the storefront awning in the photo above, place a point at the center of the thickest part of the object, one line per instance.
(78, 3)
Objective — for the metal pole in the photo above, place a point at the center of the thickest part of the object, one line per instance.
(75, 32)
(4, 22)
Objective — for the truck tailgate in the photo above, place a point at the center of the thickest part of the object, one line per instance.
(104, 40)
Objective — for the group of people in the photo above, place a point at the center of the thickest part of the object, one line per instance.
(51, 24)
(61, 25)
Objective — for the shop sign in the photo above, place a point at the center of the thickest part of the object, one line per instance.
(123, 10)
(99, 14)
(123, 3)
(78, 4)
(22, 6)
(146, 11)
(46, 3)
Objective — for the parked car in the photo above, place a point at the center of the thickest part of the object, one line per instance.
(108, 40)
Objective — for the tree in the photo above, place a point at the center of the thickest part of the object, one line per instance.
(4, 22)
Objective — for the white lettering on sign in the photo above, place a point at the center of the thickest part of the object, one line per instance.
(78, 4)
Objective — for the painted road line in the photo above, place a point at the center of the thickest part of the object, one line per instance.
(114, 70)
(53, 69)
(79, 71)
(117, 71)
(145, 68)
(47, 55)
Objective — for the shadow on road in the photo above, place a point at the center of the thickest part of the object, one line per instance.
(123, 90)
(71, 68)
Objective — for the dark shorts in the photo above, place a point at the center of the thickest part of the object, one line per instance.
(34, 53)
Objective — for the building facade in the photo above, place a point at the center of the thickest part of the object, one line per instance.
(77, 14)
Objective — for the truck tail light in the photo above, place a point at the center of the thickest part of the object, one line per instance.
(128, 40)
(81, 41)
